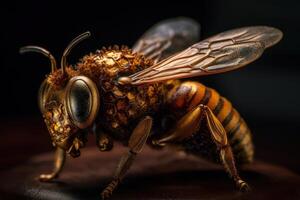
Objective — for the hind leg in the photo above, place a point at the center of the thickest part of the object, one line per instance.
(228, 162)
(226, 156)
(190, 123)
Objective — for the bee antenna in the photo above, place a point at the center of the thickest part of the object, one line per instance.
(41, 50)
(73, 43)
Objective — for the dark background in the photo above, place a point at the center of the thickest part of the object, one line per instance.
(266, 92)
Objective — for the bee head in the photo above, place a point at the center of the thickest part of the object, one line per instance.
(68, 110)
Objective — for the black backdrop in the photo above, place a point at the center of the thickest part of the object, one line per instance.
(266, 92)
(265, 89)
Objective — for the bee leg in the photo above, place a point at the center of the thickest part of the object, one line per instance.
(59, 160)
(220, 138)
(184, 128)
(229, 164)
(136, 142)
(190, 124)
(104, 141)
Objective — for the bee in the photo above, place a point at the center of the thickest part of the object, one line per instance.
(135, 96)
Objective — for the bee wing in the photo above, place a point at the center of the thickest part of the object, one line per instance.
(223, 52)
(167, 38)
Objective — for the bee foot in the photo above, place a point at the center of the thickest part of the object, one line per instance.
(106, 194)
(243, 186)
(46, 177)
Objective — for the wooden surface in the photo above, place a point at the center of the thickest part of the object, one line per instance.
(154, 175)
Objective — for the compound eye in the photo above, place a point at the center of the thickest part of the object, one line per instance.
(42, 95)
(82, 100)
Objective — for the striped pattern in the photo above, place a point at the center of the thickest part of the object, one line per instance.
(238, 133)
(188, 95)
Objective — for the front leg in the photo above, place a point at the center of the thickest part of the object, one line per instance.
(136, 142)
(59, 160)
(104, 141)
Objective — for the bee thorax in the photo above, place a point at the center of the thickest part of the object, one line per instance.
(121, 104)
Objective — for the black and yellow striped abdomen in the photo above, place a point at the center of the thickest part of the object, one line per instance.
(188, 95)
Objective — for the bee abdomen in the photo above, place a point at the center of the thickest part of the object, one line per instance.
(240, 139)
(189, 95)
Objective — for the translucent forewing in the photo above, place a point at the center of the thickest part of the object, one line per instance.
(223, 52)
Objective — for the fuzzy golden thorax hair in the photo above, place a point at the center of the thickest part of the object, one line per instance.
(107, 64)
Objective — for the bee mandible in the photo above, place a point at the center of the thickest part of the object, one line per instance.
(135, 96)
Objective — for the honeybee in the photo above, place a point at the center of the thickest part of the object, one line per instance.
(135, 96)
